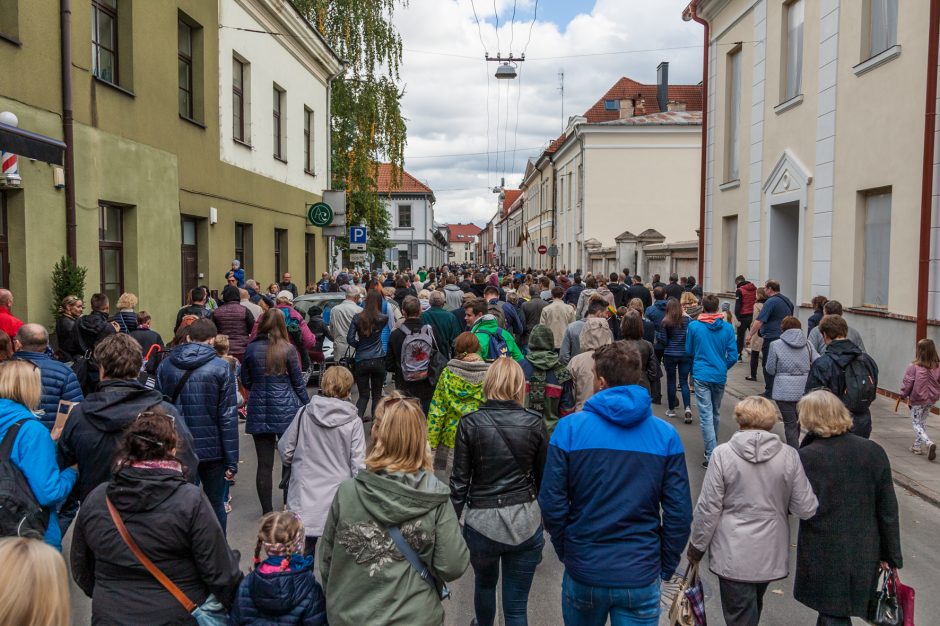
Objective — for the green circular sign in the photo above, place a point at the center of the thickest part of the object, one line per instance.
(320, 214)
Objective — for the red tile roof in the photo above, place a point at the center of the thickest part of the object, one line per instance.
(509, 197)
(406, 182)
(463, 232)
(626, 89)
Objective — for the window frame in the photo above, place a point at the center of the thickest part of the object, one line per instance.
(109, 244)
(733, 94)
(788, 51)
(309, 156)
(101, 6)
(410, 216)
(279, 251)
(891, 39)
(278, 123)
(240, 242)
(238, 131)
(184, 59)
(869, 262)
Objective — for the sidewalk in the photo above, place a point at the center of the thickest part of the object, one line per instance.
(889, 429)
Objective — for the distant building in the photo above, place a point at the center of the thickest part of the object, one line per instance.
(463, 241)
(416, 241)
(508, 229)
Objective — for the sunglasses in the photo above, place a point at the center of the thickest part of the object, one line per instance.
(155, 414)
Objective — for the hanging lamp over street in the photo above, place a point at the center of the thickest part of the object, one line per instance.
(505, 72)
(507, 67)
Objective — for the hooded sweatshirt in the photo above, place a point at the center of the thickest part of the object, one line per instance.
(789, 360)
(459, 391)
(486, 326)
(548, 382)
(453, 296)
(366, 579)
(713, 346)
(596, 333)
(655, 314)
(615, 492)
(292, 596)
(829, 370)
(741, 515)
(324, 445)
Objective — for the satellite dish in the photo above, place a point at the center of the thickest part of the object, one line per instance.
(505, 72)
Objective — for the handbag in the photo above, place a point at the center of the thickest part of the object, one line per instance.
(887, 608)
(688, 605)
(209, 613)
(348, 360)
(905, 599)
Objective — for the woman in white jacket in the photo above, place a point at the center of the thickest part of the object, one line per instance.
(324, 445)
(741, 514)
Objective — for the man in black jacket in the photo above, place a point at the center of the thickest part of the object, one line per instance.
(95, 326)
(674, 289)
(573, 293)
(197, 308)
(639, 290)
(95, 427)
(618, 289)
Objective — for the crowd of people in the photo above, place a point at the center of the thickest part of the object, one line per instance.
(522, 403)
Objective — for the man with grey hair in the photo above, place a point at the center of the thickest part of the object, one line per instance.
(443, 323)
(254, 291)
(245, 301)
(340, 319)
(58, 380)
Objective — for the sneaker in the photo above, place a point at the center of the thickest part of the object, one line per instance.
(670, 413)
(688, 415)
(916, 450)
(931, 451)
(705, 464)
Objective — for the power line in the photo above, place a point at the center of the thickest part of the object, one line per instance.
(512, 26)
(515, 134)
(463, 154)
(479, 29)
(585, 54)
(535, 14)
(506, 131)
(496, 13)
(487, 72)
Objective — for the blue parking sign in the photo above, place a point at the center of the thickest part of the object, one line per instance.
(358, 234)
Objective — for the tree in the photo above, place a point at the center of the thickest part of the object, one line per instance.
(68, 279)
(367, 124)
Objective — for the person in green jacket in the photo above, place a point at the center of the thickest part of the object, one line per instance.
(484, 325)
(548, 382)
(366, 578)
(459, 391)
(443, 322)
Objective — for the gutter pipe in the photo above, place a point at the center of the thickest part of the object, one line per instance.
(692, 14)
(71, 222)
(926, 196)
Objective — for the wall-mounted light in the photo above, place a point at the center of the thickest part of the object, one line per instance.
(213, 215)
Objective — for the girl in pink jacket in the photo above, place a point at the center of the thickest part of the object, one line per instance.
(921, 389)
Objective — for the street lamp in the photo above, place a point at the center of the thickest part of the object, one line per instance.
(507, 68)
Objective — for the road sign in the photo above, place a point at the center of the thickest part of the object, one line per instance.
(358, 234)
(358, 256)
(320, 214)
(553, 251)
(357, 246)
(543, 249)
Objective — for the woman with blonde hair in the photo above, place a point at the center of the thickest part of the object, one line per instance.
(34, 585)
(498, 460)
(741, 519)
(855, 533)
(324, 445)
(690, 304)
(389, 525)
(32, 452)
(126, 317)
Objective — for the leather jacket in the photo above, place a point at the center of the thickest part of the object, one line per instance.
(487, 472)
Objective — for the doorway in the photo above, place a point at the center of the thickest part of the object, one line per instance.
(784, 236)
(310, 259)
(189, 254)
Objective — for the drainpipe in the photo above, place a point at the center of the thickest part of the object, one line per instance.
(926, 193)
(71, 223)
(691, 14)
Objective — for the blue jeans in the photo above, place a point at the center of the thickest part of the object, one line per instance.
(684, 365)
(212, 478)
(708, 399)
(518, 563)
(586, 605)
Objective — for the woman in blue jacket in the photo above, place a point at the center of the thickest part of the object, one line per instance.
(671, 333)
(32, 450)
(271, 373)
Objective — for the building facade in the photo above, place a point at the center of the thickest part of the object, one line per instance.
(812, 179)
(162, 204)
(416, 241)
(462, 246)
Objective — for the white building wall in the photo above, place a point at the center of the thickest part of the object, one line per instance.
(756, 153)
(420, 233)
(272, 59)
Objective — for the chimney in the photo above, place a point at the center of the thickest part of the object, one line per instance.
(662, 85)
(626, 108)
(640, 105)
(675, 105)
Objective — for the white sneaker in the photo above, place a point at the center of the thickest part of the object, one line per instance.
(670, 413)
(688, 415)
(917, 450)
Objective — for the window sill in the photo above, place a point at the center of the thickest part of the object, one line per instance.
(244, 144)
(11, 40)
(310, 172)
(731, 184)
(786, 105)
(878, 60)
(194, 122)
(116, 87)
(281, 159)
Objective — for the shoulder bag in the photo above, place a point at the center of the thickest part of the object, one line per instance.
(688, 604)
(209, 613)
(439, 587)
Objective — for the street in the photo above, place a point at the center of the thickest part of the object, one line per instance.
(920, 531)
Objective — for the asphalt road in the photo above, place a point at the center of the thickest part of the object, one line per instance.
(920, 532)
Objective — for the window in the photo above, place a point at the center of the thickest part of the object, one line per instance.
(793, 56)
(308, 141)
(561, 193)
(611, 105)
(185, 54)
(733, 130)
(278, 124)
(877, 248)
(104, 49)
(111, 249)
(4, 244)
(730, 245)
(280, 252)
(243, 244)
(569, 190)
(883, 25)
(9, 20)
(239, 85)
(404, 216)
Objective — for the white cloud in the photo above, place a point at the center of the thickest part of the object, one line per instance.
(445, 98)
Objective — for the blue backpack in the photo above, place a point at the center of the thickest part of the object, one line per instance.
(497, 346)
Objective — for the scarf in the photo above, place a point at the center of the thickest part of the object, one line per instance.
(164, 464)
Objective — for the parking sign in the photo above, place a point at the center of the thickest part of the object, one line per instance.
(358, 234)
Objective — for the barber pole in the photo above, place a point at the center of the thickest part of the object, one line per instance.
(9, 168)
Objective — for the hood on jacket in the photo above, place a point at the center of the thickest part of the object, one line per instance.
(93, 323)
(190, 356)
(660, 304)
(627, 405)
(747, 287)
(794, 338)
(330, 412)
(12, 412)
(471, 371)
(712, 323)
(755, 446)
(279, 593)
(843, 352)
(452, 288)
(133, 490)
(542, 338)
(117, 403)
(487, 322)
(594, 334)
(391, 499)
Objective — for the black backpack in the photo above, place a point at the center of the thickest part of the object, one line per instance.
(860, 384)
(20, 513)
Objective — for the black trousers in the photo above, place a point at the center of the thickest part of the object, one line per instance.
(756, 356)
(791, 422)
(266, 448)
(741, 603)
(656, 386)
(745, 325)
(768, 378)
(370, 380)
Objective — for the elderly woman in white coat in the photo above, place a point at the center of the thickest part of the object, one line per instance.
(324, 445)
(741, 515)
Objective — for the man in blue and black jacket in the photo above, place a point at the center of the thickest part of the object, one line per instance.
(615, 496)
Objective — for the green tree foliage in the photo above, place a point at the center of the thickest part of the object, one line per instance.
(367, 122)
(68, 279)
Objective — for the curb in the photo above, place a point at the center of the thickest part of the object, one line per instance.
(901, 480)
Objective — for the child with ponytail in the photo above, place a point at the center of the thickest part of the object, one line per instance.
(281, 588)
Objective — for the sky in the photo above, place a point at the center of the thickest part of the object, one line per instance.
(467, 130)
